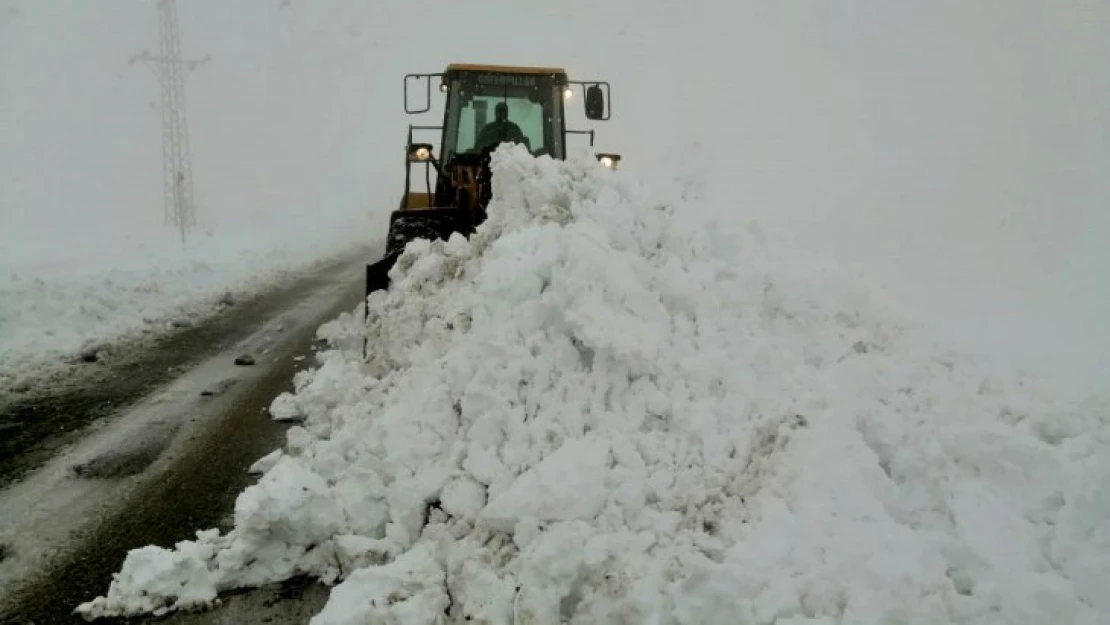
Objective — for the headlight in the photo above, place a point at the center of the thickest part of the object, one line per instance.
(609, 161)
(420, 152)
(568, 92)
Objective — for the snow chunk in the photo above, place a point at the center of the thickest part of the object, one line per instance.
(284, 408)
(410, 589)
(567, 485)
(170, 580)
(265, 463)
(463, 497)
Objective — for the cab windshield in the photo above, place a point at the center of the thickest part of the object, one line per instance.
(528, 114)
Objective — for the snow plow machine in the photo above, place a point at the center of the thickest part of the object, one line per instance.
(485, 105)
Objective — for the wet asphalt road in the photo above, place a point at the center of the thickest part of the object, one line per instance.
(36, 424)
(198, 491)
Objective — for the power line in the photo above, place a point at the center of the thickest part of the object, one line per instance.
(177, 167)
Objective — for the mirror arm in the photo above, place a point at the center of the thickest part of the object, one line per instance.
(583, 132)
(428, 92)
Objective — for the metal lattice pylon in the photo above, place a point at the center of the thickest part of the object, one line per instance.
(177, 174)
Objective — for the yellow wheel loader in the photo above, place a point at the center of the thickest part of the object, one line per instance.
(485, 106)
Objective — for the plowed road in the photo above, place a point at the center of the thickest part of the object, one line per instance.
(151, 447)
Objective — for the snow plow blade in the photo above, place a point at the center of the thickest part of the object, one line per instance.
(377, 274)
(377, 279)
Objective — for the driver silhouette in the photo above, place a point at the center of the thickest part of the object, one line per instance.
(500, 130)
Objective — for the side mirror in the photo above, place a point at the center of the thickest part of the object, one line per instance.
(595, 103)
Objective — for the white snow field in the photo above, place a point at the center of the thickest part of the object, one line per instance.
(280, 170)
(613, 406)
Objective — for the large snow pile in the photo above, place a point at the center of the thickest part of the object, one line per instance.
(605, 408)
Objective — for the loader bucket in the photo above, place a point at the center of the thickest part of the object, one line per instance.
(437, 223)
(377, 274)
(377, 279)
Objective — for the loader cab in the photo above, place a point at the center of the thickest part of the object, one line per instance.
(533, 101)
(534, 98)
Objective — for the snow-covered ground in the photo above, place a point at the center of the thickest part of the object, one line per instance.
(287, 164)
(612, 405)
(47, 321)
(654, 410)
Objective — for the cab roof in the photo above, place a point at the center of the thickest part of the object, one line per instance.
(505, 69)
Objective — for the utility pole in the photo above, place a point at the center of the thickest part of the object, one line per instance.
(177, 168)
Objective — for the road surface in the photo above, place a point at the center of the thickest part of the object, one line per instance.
(155, 449)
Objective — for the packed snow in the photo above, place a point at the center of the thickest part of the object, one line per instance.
(611, 406)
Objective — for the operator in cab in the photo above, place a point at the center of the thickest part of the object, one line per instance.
(501, 130)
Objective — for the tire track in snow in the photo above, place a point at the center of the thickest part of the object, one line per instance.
(36, 427)
(198, 487)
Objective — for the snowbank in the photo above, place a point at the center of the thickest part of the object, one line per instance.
(49, 314)
(606, 408)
